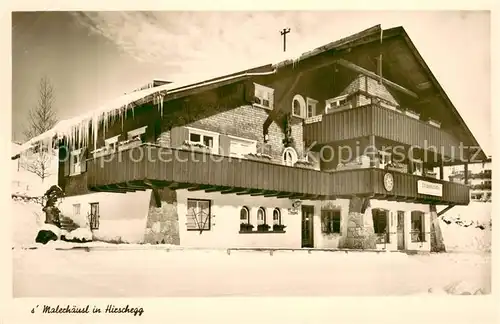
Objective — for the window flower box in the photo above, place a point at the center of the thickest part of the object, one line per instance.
(304, 164)
(263, 228)
(412, 114)
(259, 156)
(398, 167)
(244, 227)
(128, 144)
(278, 228)
(196, 147)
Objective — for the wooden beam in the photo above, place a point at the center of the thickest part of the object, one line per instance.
(373, 75)
(445, 210)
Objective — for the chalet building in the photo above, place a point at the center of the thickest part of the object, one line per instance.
(479, 180)
(335, 149)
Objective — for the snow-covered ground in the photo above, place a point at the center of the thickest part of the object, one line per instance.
(160, 273)
(127, 270)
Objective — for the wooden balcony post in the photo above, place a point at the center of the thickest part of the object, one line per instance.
(372, 151)
(441, 171)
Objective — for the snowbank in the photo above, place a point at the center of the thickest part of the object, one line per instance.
(27, 218)
(121, 231)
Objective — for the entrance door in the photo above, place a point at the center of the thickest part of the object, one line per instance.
(401, 230)
(307, 226)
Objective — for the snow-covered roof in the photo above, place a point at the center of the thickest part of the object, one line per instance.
(78, 125)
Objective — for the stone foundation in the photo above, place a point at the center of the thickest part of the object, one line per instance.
(162, 226)
(437, 241)
(359, 233)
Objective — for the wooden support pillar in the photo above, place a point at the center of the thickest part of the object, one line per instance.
(441, 171)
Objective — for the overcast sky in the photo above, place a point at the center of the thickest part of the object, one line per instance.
(94, 57)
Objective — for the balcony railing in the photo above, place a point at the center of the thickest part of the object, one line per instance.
(153, 166)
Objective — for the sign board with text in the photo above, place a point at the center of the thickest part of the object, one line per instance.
(429, 188)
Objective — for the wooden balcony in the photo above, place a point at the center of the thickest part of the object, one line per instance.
(162, 167)
(382, 122)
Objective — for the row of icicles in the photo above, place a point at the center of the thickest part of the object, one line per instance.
(77, 133)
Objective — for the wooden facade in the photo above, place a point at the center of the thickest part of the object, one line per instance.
(127, 171)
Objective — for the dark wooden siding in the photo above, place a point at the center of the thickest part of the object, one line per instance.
(181, 166)
(344, 125)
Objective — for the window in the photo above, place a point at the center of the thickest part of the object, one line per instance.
(298, 106)
(111, 143)
(206, 138)
(311, 107)
(263, 96)
(239, 147)
(261, 216)
(76, 210)
(198, 215)
(381, 225)
(276, 216)
(417, 167)
(384, 158)
(244, 215)
(76, 162)
(289, 156)
(139, 133)
(417, 226)
(336, 103)
(94, 216)
(330, 221)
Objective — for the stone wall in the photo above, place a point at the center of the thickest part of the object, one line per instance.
(162, 225)
(359, 232)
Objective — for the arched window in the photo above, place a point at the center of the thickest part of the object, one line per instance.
(244, 215)
(261, 216)
(298, 106)
(289, 156)
(276, 216)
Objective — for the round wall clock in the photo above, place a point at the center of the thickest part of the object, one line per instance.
(388, 182)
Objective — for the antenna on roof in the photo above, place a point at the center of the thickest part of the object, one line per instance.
(283, 32)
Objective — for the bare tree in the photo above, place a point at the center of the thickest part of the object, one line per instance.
(41, 119)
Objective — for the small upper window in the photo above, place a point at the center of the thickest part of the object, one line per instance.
(298, 106)
(417, 167)
(289, 156)
(111, 143)
(138, 133)
(264, 96)
(336, 103)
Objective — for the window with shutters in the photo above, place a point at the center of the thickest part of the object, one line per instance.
(75, 162)
(204, 138)
(264, 96)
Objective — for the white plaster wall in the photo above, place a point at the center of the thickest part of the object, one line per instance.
(225, 222)
(122, 216)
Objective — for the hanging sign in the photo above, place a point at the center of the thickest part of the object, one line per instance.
(429, 188)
